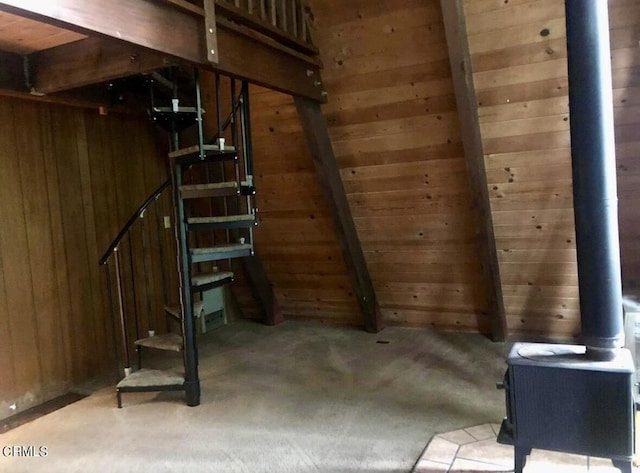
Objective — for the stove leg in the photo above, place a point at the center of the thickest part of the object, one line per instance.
(623, 465)
(521, 458)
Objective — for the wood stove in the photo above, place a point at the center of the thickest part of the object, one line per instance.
(559, 399)
(573, 398)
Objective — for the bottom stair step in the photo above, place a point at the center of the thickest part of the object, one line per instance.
(149, 381)
(145, 379)
(165, 341)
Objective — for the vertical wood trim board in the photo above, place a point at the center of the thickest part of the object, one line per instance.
(458, 45)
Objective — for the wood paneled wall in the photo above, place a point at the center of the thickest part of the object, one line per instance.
(624, 16)
(395, 132)
(296, 239)
(519, 55)
(70, 179)
(519, 62)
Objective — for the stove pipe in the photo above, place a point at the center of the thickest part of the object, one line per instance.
(594, 176)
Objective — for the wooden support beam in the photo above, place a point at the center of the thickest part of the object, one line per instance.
(179, 34)
(316, 133)
(89, 61)
(460, 59)
(12, 72)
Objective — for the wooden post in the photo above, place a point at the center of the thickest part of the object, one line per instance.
(314, 125)
(460, 59)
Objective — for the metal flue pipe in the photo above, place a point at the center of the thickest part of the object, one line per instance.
(594, 176)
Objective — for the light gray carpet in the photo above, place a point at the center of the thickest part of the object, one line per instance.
(299, 397)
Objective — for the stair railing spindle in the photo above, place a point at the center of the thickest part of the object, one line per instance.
(234, 131)
(121, 312)
(196, 74)
(114, 341)
(145, 268)
(133, 293)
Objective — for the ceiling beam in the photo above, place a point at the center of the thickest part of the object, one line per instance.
(89, 61)
(460, 59)
(179, 34)
(12, 72)
(316, 134)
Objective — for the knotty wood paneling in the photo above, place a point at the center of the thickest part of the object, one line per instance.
(70, 179)
(394, 127)
(295, 239)
(519, 55)
(519, 61)
(625, 55)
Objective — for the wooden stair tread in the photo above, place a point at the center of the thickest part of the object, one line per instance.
(221, 248)
(165, 341)
(172, 110)
(196, 149)
(207, 278)
(198, 309)
(151, 378)
(213, 185)
(222, 219)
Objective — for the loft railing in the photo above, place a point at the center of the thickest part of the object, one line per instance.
(286, 21)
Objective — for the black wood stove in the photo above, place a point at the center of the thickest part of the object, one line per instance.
(574, 398)
(559, 399)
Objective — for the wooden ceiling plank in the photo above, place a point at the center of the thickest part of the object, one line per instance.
(460, 59)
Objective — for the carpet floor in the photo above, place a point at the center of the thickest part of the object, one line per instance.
(298, 397)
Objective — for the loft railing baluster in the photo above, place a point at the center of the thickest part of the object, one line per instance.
(303, 22)
(272, 9)
(283, 16)
(263, 10)
(250, 6)
(294, 18)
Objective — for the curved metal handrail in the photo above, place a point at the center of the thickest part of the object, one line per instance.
(121, 234)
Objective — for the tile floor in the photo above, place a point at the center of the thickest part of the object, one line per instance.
(475, 450)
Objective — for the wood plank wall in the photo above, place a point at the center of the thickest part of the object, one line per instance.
(624, 16)
(395, 132)
(519, 62)
(519, 55)
(70, 178)
(295, 238)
